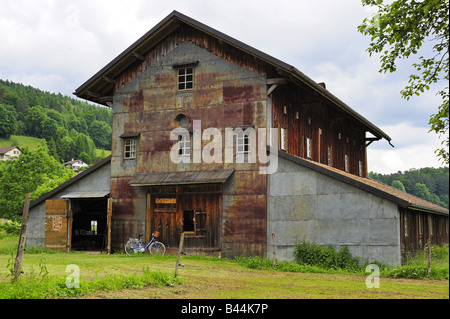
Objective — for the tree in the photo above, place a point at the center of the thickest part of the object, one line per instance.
(398, 31)
(34, 172)
(399, 185)
(49, 129)
(8, 122)
(100, 132)
(35, 121)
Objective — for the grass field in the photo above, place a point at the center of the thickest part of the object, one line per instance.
(23, 141)
(213, 278)
(33, 143)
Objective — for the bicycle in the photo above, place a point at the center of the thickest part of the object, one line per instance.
(135, 245)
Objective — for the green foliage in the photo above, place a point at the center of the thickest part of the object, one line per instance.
(327, 257)
(399, 185)
(42, 285)
(8, 123)
(400, 30)
(431, 184)
(9, 228)
(34, 172)
(28, 111)
(311, 258)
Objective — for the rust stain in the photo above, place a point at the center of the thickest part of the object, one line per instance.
(235, 94)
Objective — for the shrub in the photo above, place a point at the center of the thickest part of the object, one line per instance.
(311, 254)
(10, 228)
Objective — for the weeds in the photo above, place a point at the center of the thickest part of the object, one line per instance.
(311, 258)
(45, 286)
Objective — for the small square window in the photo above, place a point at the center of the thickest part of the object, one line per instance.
(185, 78)
(130, 148)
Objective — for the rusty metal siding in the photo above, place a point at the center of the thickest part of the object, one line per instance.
(229, 90)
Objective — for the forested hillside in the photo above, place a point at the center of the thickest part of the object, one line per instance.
(431, 184)
(72, 128)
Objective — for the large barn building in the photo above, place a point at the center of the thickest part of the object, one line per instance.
(229, 145)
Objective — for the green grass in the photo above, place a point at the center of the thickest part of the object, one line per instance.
(33, 143)
(144, 276)
(23, 141)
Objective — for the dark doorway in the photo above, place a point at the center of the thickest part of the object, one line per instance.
(89, 224)
(188, 220)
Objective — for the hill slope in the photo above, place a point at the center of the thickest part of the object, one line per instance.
(70, 127)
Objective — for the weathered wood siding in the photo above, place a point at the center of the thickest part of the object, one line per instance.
(416, 228)
(308, 116)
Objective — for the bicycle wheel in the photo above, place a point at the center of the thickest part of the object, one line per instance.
(129, 249)
(157, 248)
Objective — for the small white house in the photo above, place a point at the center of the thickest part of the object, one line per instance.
(76, 164)
(9, 152)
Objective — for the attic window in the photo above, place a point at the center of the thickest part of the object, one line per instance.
(185, 78)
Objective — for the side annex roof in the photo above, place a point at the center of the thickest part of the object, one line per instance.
(370, 185)
(69, 182)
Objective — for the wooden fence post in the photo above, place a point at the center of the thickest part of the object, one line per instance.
(180, 249)
(108, 225)
(22, 238)
(274, 248)
(429, 243)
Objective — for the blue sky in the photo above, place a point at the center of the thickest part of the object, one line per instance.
(57, 45)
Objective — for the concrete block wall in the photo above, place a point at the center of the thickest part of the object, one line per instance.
(306, 205)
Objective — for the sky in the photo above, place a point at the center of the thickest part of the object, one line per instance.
(56, 45)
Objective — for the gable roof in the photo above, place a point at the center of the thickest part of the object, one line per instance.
(69, 182)
(4, 150)
(370, 185)
(100, 87)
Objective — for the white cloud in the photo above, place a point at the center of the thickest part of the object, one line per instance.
(414, 148)
(57, 45)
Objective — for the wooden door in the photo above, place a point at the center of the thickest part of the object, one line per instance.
(56, 214)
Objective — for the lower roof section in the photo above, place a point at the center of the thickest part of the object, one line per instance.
(178, 178)
(370, 185)
(92, 194)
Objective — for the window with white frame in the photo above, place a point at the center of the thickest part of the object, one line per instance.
(243, 142)
(129, 148)
(360, 168)
(184, 145)
(185, 78)
(346, 162)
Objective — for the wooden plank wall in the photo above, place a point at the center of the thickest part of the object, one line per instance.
(323, 124)
(167, 218)
(415, 229)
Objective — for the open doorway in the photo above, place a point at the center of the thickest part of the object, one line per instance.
(88, 224)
